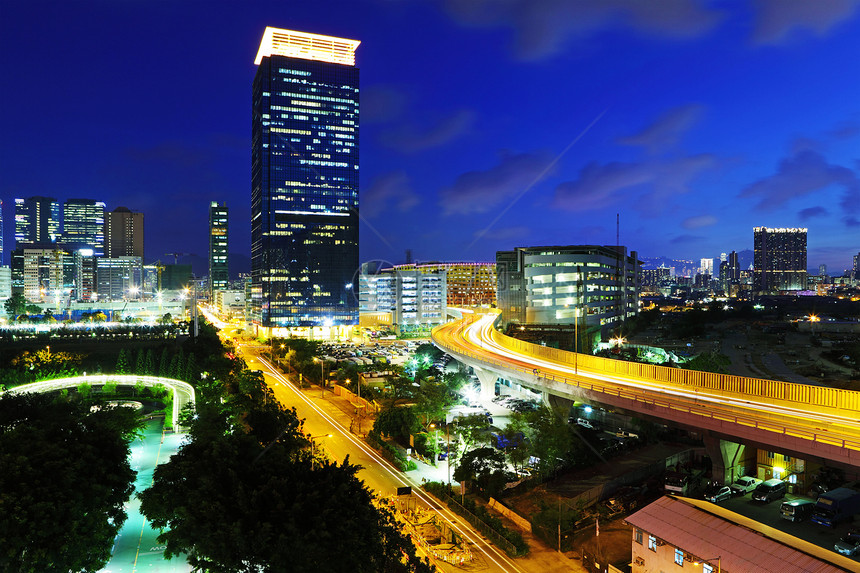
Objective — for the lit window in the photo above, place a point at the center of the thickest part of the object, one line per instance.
(679, 557)
(652, 543)
(707, 568)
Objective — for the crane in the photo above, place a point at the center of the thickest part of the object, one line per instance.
(176, 256)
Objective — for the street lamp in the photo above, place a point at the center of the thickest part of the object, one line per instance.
(314, 446)
(322, 374)
(702, 562)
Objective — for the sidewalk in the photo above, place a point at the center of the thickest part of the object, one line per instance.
(540, 558)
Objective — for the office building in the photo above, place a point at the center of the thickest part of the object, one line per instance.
(304, 171)
(37, 220)
(586, 285)
(84, 225)
(856, 267)
(779, 259)
(1, 231)
(86, 286)
(123, 233)
(41, 272)
(469, 284)
(120, 278)
(706, 267)
(413, 298)
(219, 275)
(5, 283)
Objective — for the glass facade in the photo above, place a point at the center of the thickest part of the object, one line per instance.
(304, 197)
(84, 225)
(37, 220)
(219, 274)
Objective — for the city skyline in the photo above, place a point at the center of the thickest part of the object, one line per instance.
(481, 132)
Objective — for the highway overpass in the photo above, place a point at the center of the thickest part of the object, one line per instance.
(811, 422)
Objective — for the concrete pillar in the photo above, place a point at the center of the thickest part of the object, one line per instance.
(730, 460)
(488, 383)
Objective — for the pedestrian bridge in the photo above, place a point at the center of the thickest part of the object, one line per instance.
(183, 392)
(809, 421)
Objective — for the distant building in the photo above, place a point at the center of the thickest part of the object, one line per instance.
(656, 277)
(706, 267)
(124, 233)
(304, 182)
(219, 274)
(5, 284)
(37, 220)
(594, 286)
(86, 285)
(120, 278)
(41, 272)
(674, 534)
(469, 284)
(84, 225)
(229, 303)
(413, 298)
(176, 277)
(779, 259)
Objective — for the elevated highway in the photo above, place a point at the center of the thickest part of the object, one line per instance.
(810, 422)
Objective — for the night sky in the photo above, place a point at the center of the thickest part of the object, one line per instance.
(485, 125)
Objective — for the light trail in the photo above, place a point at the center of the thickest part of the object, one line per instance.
(490, 551)
(476, 339)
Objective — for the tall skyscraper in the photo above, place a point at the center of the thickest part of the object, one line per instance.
(123, 233)
(37, 220)
(219, 275)
(779, 259)
(84, 225)
(304, 181)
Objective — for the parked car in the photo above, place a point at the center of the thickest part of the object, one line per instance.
(625, 434)
(744, 485)
(849, 544)
(797, 509)
(719, 493)
(587, 424)
(769, 490)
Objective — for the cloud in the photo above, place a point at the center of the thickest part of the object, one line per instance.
(811, 212)
(667, 130)
(845, 130)
(699, 222)
(777, 19)
(851, 222)
(542, 27)
(599, 185)
(411, 138)
(684, 239)
(800, 174)
(483, 191)
(390, 191)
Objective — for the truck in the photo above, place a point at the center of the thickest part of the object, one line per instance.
(835, 506)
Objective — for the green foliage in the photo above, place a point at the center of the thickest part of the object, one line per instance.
(122, 362)
(709, 362)
(485, 467)
(140, 362)
(15, 305)
(149, 362)
(64, 482)
(243, 494)
(164, 363)
(84, 389)
(552, 439)
(397, 422)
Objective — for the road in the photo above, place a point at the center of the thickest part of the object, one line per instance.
(476, 340)
(377, 473)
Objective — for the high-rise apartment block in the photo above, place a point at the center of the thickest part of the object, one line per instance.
(469, 284)
(84, 225)
(123, 233)
(587, 285)
(37, 220)
(304, 175)
(219, 275)
(412, 297)
(779, 262)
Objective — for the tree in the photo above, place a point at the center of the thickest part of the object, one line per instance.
(551, 439)
(140, 363)
(397, 422)
(244, 495)
(122, 362)
(709, 362)
(164, 363)
(15, 305)
(485, 467)
(64, 483)
(149, 362)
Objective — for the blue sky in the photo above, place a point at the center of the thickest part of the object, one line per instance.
(485, 124)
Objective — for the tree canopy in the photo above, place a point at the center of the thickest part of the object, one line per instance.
(65, 479)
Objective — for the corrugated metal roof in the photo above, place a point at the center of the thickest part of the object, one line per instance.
(705, 531)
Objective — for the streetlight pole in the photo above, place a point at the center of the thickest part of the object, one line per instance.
(314, 446)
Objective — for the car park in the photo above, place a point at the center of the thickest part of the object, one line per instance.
(769, 490)
(849, 544)
(745, 484)
(796, 509)
(718, 493)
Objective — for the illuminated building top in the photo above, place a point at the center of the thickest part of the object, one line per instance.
(279, 42)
